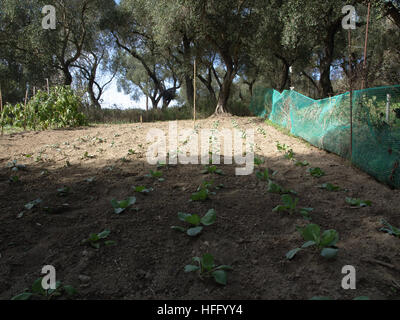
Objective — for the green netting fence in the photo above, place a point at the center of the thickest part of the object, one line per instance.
(326, 124)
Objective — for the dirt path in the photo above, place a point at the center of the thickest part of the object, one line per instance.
(148, 259)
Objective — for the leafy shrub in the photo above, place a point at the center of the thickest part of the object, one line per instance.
(58, 109)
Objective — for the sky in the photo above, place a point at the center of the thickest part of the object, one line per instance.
(111, 96)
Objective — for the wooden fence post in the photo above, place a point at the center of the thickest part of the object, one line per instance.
(25, 102)
(194, 93)
(1, 111)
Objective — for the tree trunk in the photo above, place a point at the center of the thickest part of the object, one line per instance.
(187, 58)
(154, 103)
(325, 84)
(93, 99)
(224, 93)
(285, 73)
(251, 85)
(189, 90)
(67, 76)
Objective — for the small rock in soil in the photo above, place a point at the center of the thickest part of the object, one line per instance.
(83, 278)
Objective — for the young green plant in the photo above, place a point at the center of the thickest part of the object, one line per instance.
(155, 175)
(203, 192)
(316, 172)
(96, 239)
(390, 229)
(212, 169)
(37, 291)
(358, 202)
(206, 268)
(197, 223)
(325, 241)
(121, 206)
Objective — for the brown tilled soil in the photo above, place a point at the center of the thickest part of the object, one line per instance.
(148, 259)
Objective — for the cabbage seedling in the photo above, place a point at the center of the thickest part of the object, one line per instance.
(33, 204)
(266, 175)
(196, 222)
(203, 192)
(301, 163)
(289, 154)
(358, 202)
(290, 205)
(95, 239)
(326, 242)
(276, 188)
(63, 192)
(390, 229)
(258, 161)
(316, 172)
(156, 175)
(206, 268)
(14, 179)
(37, 290)
(330, 187)
(121, 206)
(88, 156)
(281, 147)
(142, 189)
(212, 169)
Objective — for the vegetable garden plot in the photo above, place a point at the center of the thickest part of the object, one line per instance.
(105, 221)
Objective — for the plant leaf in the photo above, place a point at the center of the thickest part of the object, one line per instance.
(22, 296)
(193, 219)
(104, 234)
(191, 268)
(32, 204)
(329, 238)
(194, 231)
(224, 267)
(290, 255)
(209, 218)
(329, 253)
(308, 244)
(220, 277)
(95, 245)
(207, 261)
(70, 290)
(181, 229)
(280, 208)
(201, 195)
(320, 298)
(311, 232)
(362, 298)
(37, 287)
(182, 216)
